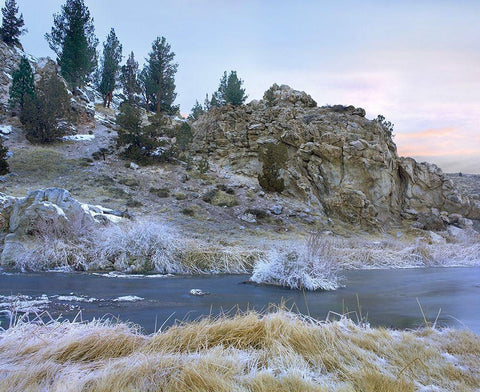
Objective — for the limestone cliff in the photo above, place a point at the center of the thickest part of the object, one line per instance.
(338, 160)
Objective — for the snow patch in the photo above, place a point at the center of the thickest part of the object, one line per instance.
(79, 138)
(5, 129)
(75, 298)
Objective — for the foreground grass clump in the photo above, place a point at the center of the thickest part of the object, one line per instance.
(277, 351)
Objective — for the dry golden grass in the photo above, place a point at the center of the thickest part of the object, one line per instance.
(276, 351)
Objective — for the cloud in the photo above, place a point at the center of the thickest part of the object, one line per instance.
(438, 142)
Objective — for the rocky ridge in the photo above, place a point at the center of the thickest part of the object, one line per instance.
(343, 164)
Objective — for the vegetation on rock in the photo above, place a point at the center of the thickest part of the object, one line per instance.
(274, 158)
(73, 39)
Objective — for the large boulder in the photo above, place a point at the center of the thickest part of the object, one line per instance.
(337, 160)
(46, 212)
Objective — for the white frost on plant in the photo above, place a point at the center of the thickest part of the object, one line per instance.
(303, 266)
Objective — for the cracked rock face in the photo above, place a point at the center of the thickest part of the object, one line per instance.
(338, 160)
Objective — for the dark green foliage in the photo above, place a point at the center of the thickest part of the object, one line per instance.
(4, 168)
(129, 80)
(274, 158)
(11, 29)
(197, 111)
(73, 39)
(229, 91)
(158, 78)
(142, 144)
(22, 85)
(386, 125)
(42, 113)
(110, 67)
(184, 136)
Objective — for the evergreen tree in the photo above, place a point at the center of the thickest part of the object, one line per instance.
(158, 77)
(4, 167)
(234, 93)
(73, 39)
(22, 85)
(197, 111)
(110, 68)
(274, 158)
(11, 29)
(229, 91)
(129, 79)
(42, 113)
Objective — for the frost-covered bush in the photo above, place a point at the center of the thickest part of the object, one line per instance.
(307, 266)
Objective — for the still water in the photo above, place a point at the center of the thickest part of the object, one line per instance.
(387, 297)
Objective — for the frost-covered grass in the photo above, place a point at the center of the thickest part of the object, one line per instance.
(134, 247)
(316, 264)
(276, 351)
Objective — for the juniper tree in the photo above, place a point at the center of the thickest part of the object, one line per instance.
(129, 79)
(42, 113)
(22, 86)
(11, 29)
(110, 67)
(158, 77)
(73, 39)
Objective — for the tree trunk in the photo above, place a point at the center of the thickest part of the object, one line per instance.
(109, 99)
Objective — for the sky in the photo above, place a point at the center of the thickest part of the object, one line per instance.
(415, 62)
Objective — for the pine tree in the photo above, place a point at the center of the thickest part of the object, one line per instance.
(129, 79)
(22, 85)
(229, 91)
(42, 113)
(234, 93)
(158, 77)
(110, 67)
(197, 111)
(73, 39)
(11, 29)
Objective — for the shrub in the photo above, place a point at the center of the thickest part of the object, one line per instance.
(386, 125)
(203, 165)
(273, 158)
(41, 114)
(4, 167)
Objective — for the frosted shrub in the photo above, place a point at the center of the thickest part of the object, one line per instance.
(307, 266)
(139, 247)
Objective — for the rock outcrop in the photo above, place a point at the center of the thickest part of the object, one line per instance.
(339, 161)
(45, 212)
(44, 66)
